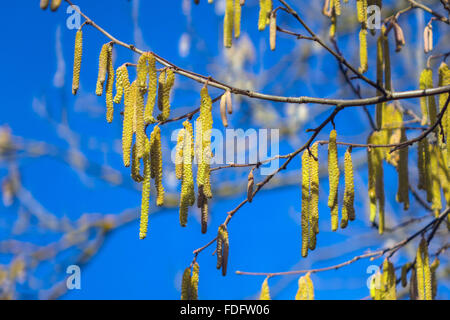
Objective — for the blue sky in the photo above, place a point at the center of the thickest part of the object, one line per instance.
(265, 236)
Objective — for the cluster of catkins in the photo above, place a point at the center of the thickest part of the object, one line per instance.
(305, 289)
(422, 281)
(54, 5)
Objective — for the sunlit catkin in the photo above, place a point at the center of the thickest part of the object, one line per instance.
(333, 25)
(302, 293)
(265, 293)
(426, 78)
(223, 233)
(142, 72)
(44, 4)
(306, 166)
(179, 155)
(122, 81)
(156, 163)
(361, 9)
(433, 268)
(135, 165)
(139, 121)
(348, 210)
(424, 287)
(402, 170)
(203, 175)
(404, 279)
(194, 281)
(273, 30)
(333, 173)
(363, 65)
(102, 68)
(78, 54)
(237, 18)
(145, 203)
(151, 92)
(223, 110)
(55, 5)
(376, 183)
(109, 88)
(436, 203)
(337, 7)
(186, 284)
(262, 15)
(187, 197)
(165, 88)
(127, 131)
(219, 246)
(228, 22)
(314, 186)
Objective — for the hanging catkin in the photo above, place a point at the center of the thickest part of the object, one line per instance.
(333, 25)
(145, 203)
(109, 87)
(404, 279)
(380, 76)
(55, 5)
(444, 80)
(273, 30)
(127, 133)
(262, 15)
(237, 18)
(228, 22)
(194, 281)
(422, 151)
(156, 164)
(152, 87)
(388, 282)
(229, 102)
(265, 293)
(139, 121)
(102, 68)
(179, 155)
(187, 197)
(203, 174)
(306, 166)
(348, 210)
(436, 204)
(427, 104)
(122, 82)
(225, 248)
(219, 246)
(302, 291)
(363, 65)
(166, 82)
(314, 200)
(433, 268)
(337, 6)
(376, 183)
(223, 110)
(78, 54)
(44, 4)
(142, 72)
(402, 170)
(333, 173)
(361, 9)
(135, 165)
(424, 287)
(186, 284)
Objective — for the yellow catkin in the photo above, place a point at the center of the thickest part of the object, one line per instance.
(434, 177)
(186, 284)
(265, 292)
(165, 87)
(152, 87)
(433, 268)
(102, 68)
(237, 18)
(305, 201)
(363, 65)
(139, 121)
(413, 294)
(431, 101)
(337, 6)
(444, 174)
(361, 9)
(78, 54)
(314, 186)
(422, 148)
(333, 25)
(333, 173)
(228, 22)
(404, 278)
(203, 175)
(145, 203)
(109, 87)
(44, 4)
(424, 286)
(55, 5)
(444, 80)
(219, 246)
(179, 155)
(389, 281)
(348, 210)
(156, 163)
(122, 81)
(262, 15)
(194, 281)
(135, 165)
(273, 30)
(380, 78)
(142, 72)
(223, 234)
(305, 288)
(402, 170)
(427, 105)
(376, 183)
(187, 197)
(204, 214)
(127, 132)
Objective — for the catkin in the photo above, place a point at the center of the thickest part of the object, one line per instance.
(433, 268)
(309, 286)
(265, 292)
(179, 155)
(122, 82)
(229, 102)
(388, 281)
(135, 165)
(444, 80)
(376, 183)
(363, 65)
(203, 173)
(348, 210)
(337, 7)
(142, 72)
(314, 185)
(127, 133)
(225, 248)
(427, 104)
(156, 164)
(223, 110)
(219, 246)
(102, 68)
(44, 4)
(139, 121)
(78, 54)
(422, 150)
(194, 281)
(237, 18)
(55, 5)
(228, 22)
(152, 87)
(164, 94)
(145, 192)
(404, 275)
(109, 87)
(380, 77)
(305, 288)
(402, 170)
(186, 284)
(436, 204)
(273, 30)
(424, 286)
(333, 173)
(361, 8)
(333, 25)
(187, 197)
(262, 15)
(305, 201)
